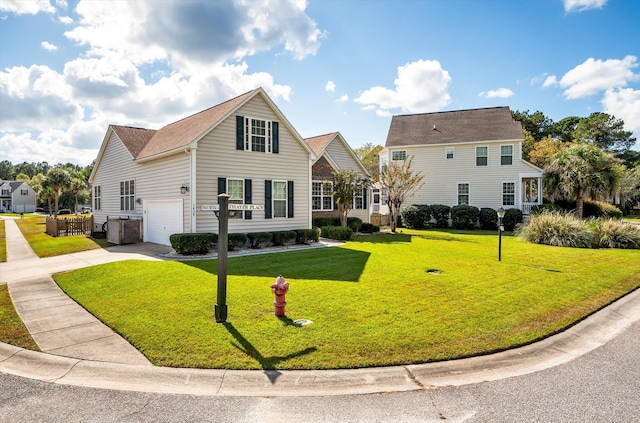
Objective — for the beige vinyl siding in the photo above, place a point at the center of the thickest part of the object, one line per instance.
(154, 180)
(217, 157)
(339, 154)
(442, 175)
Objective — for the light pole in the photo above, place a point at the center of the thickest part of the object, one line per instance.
(500, 212)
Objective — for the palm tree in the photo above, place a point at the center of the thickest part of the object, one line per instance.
(75, 187)
(582, 172)
(46, 193)
(58, 180)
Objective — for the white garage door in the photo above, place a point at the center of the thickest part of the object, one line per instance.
(161, 220)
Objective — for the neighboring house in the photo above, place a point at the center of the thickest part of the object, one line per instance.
(17, 197)
(332, 154)
(467, 157)
(244, 147)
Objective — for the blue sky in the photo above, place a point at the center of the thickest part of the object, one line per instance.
(70, 68)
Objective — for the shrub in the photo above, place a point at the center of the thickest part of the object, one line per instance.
(416, 216)
(557, 229)
(440, 213)
(325, 221)
(304, 236)
(236, 241)
(355, 223)
(64, 211)
(601, 209)
(336, 232)
(511, 218)
(198, 243)
(488, 218)
(368, 228)
(464, 217)
(282, 237)
(539, 208)
(614, 233)
(257, 239)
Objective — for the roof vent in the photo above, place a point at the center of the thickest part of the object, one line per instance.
(434, 128)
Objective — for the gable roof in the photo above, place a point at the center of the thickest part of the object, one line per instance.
(134, 139)
(318, 145)
(488, 124)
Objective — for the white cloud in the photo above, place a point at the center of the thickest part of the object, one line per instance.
(594, 76)
(330, 86)
(582, 5)
(343, 98)
(624, 104)
(65, 20)
(538, 79)
(22, 7)
(420, 87)
(550, 81)
(499, 93)
(48, 46)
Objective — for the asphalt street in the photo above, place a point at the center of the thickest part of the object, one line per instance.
(600, 386)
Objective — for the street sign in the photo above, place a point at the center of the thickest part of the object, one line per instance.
(236, 207)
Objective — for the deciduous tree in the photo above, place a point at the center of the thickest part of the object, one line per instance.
(346, 185)
(368, 155)
(400, 182)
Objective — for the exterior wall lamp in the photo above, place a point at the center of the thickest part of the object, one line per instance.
(184, 189)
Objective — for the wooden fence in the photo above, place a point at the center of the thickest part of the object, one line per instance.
(69, 226)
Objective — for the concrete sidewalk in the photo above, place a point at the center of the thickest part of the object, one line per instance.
(79, 350)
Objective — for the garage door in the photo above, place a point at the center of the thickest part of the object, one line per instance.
(161, 220)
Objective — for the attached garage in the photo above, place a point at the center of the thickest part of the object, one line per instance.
(162, 219)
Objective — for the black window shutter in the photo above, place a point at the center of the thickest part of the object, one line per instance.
(364, 199)
(239, 132)
(247, 197)
(222, 185)
(289, 199)
(275, 137)
(267, 199)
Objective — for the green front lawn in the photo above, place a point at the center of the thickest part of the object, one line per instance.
(372, 301)
(33, 229)
(3, 242)
(12, 330)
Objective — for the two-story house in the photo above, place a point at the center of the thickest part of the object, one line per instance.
(17, 197)
(467, 157)
(244, 147)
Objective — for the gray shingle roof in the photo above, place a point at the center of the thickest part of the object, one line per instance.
(489, 124)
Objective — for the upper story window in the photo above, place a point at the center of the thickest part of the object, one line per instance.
(383, 164)
(506, 154)
(481, 156)
(322, 195)
(97, 197)
(24, 192)
(5, 191)
(463, 194)
(449, 152)
(259, 135)
(399, 155)
(127, 195)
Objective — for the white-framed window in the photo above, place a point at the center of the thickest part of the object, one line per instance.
(383, 164)
(322, 195)
(506, 154)
(24, 192)
(399, 155)
(235, 189)
(449, 152)
(482, 156)
(508, 193)
(279, 199)
(258, 135)
(127, 195)
(358, 201)
(463, 193)
(5, 191)
(97, 197)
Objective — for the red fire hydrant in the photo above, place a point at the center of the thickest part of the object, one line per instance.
(280, 289)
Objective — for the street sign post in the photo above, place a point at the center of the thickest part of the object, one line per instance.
(222, 210)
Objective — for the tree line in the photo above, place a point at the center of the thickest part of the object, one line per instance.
(61, 186)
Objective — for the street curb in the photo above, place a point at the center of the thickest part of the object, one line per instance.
(587, 335)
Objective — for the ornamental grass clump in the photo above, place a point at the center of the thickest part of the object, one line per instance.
(614, 233)
(557, 229)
